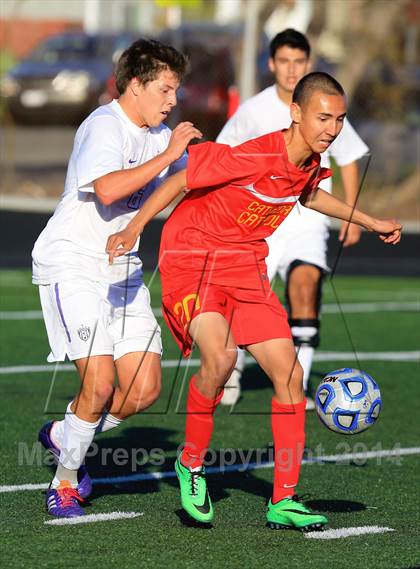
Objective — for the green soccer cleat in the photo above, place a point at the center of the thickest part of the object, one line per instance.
(290, 513)
(195, 498)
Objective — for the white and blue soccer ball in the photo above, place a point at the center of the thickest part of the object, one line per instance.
(348, 401)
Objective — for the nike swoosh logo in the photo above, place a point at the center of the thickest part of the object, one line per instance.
(277, 178)
(300, 512)
(205, 507)
(132, 161)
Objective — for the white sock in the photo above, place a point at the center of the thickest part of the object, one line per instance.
(107, 423)
(240, 361)
(57, 432)
(305, 356)
(77, 438)
(63, 473)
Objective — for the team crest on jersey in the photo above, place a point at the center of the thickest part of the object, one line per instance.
(84, 333)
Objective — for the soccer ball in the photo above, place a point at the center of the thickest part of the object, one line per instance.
(348, 401)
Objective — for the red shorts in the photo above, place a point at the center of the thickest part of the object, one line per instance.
(254, 315)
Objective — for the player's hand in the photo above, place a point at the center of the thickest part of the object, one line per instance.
(349, 236)
(120, 243)
(389, 230)
(180, 138)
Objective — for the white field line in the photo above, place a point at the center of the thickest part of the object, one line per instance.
(90, 518)
(346, 532)
(332, 308)
(329, 458)
(361, 307)
(413, 356)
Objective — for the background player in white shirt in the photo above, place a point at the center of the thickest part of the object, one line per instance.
(98, 315)
(298, 249)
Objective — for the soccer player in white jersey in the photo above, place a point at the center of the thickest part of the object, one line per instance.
(97, 315)
(297, 250)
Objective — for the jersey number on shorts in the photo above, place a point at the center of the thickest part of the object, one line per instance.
(186, 309)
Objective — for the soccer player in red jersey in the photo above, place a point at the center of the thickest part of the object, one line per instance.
(215, 291)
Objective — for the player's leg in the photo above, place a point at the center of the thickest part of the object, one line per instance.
(210, 331)
(71, 483)
(133, 335)
(76, 326)
(232, 390)
(278, 359)
(303, 300)
(139, 378)
(303, 267)
(137, 351)
(139, 375)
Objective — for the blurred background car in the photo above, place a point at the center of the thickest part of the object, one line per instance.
(63, 79)
(70, 74)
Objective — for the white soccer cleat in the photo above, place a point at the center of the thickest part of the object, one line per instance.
(232, 389)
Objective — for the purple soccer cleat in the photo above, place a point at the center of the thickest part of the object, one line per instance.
(84, 486)
(63, 502)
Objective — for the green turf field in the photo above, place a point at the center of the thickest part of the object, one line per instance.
(381, 319)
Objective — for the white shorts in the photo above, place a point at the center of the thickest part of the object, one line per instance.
(302, 236)
(86, 318)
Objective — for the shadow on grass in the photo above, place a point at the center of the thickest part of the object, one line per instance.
(254, 379)
(336, 506)
(187, 521)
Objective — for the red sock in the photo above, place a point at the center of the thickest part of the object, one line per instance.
(288, 425)
(199, 425)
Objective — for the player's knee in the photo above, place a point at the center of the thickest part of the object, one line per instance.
(289, 380)
(98, 392)
(220, 365)
(303, 289)
(144, 395)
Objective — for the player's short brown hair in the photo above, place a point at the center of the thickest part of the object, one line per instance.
(145, 59)
(316, 81)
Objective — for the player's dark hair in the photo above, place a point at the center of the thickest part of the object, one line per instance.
(316, 81)
(145, 59)
(290, 38)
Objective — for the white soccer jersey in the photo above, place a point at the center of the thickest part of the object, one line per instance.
(72, 245)
(266, 112)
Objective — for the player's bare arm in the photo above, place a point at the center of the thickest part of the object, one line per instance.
(119, 243)
(350, 233)
(122, 183)
(389, 230)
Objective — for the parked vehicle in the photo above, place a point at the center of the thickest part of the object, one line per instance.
(63, 79)
(70, 74)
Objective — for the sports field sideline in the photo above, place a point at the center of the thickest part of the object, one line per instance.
(366, 484)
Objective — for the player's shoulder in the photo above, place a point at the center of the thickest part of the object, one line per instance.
(110, 110)
(264, 146)
(103, 117)
(270, 142)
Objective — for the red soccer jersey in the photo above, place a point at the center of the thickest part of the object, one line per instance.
(238, 197)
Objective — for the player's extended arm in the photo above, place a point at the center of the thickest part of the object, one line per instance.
(119, 243)
(350, 232)
(389, 229)
(122, 183)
